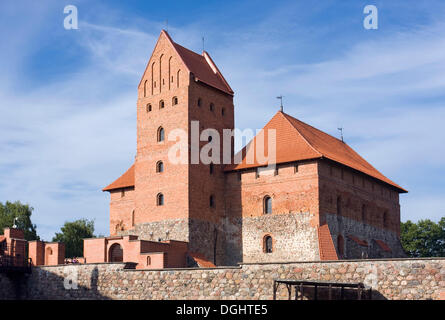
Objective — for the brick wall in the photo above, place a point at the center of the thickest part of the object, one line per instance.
(122, 210)
(294, 218)
(390, 279)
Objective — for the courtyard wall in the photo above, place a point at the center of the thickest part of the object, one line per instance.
(390, 279)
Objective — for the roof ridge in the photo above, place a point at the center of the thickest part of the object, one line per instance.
(301, 134)
(205, 54)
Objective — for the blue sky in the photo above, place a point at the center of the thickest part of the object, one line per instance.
(68, 97)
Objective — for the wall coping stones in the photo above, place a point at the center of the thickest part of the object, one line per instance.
(341, 261)
(189, 269)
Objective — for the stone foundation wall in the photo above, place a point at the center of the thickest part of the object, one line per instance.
(390, 279)
(294, 238)
(7, 287)
(350, 227)
(178, 229)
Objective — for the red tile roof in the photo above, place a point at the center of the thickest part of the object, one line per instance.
(326, 246)
(201, 66)
(124, 181)
(298, 141)
(383, 245)
(360, 242)
(201, 260)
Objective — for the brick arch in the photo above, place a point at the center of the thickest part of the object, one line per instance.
(116, 253)
(48, 252)
(169, 72)
(160, 73)
(177, 78)
(268, 243)
(152, 77)
(267, 204)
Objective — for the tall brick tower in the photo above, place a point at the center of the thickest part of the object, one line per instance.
(166, 200)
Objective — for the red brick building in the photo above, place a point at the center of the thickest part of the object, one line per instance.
(321, 201)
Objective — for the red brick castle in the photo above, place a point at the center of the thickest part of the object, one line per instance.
(322, 201)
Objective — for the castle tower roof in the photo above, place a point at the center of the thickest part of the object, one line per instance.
(201, 66)
(297, 141)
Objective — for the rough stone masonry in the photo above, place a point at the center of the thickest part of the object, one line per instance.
(390, 279)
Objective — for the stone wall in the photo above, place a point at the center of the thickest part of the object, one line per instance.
(347, 227)
(7, 287)
(390, 279)
(178, 229)
(294, 237)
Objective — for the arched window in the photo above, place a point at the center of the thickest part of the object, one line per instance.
(210, 138)
(175, 101)
(339, 206)
(159, 166)
(212, 201)
(211, 168)
(223, 111)
(267, 205)
(148, 107)
(116, 254)
(212, 107)
(340, 246)
(160, 199)
(267, 244)
(161, 104)
(148, 260)
(364, 213)
(385, 219)
(161, 134)
(145, 88)
(199, 102)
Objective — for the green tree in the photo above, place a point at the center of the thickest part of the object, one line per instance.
(72, 235)
(11, 210)
(424, 238)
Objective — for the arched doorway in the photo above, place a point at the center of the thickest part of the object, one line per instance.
(48, 253)
(116, 254)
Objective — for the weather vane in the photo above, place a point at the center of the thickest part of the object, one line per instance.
(281, 102)
(341, 133)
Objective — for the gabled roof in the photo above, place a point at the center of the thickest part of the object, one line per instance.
(124, 181)
(200, 65)
(325, 244)
(297, 141)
